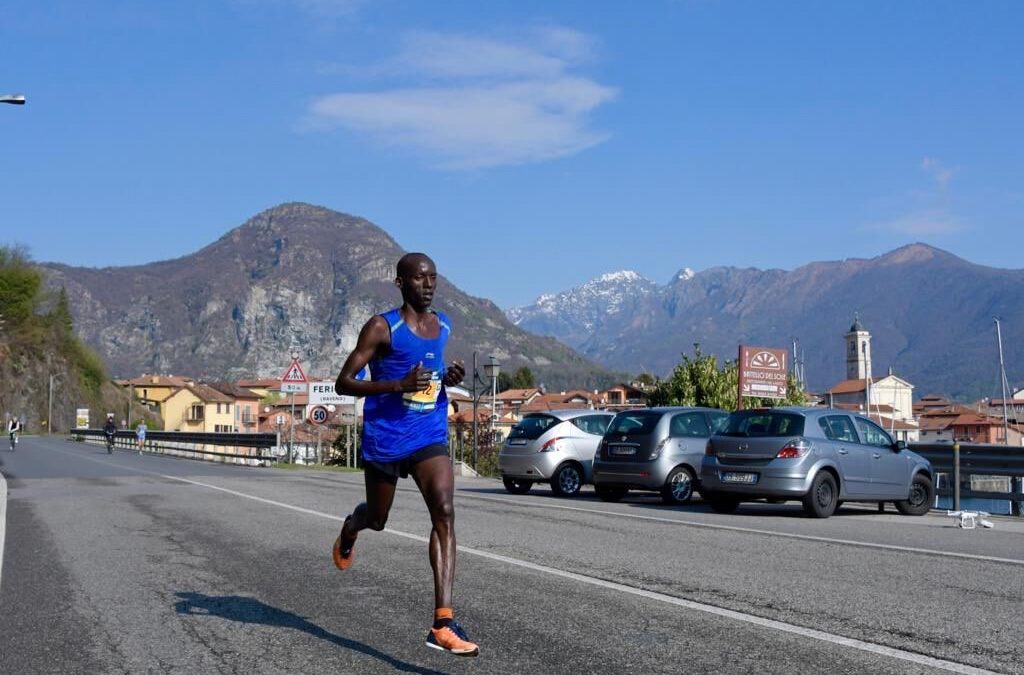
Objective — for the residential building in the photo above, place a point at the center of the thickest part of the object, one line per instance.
(973, 427)
(246, 406)
(198, 408)
(152, 390)
(514, 399)
(623, 395)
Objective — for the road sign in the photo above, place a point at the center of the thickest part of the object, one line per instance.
(762, 372)
(322, 393)
(294, 380)
(318, 414)
(82, 418)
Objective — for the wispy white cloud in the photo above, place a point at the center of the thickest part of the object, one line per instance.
(941, 173)
(923, 223)
(328, 9)
(478, 102)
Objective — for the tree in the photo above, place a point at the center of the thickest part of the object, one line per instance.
(646, 380)
(522, 379)
(700, 381)
(19, 286)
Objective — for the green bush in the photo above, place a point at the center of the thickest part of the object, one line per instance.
(487, 461)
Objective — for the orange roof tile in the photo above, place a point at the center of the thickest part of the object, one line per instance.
(848, 387)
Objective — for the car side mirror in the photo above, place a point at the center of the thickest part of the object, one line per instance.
(899, 446)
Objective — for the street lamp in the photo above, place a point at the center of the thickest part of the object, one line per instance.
(491, 369)
(14, 99)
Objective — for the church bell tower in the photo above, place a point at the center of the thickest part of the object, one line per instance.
(858, 352)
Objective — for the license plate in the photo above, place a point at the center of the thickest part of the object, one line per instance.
(733, 477)
(622, 450)
(517, 441)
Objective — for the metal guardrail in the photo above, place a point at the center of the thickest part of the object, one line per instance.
(963, 460)
(190, 443)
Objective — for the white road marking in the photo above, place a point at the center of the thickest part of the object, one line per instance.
(781, 626)
(3, 523)
(749, 530)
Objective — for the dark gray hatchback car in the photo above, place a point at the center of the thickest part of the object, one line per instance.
(657, 449)
(820, 456)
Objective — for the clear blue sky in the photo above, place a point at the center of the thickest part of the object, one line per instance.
(528, 146)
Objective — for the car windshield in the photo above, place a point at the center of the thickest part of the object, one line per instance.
(764, 423)
(634, 423)
(532, 427)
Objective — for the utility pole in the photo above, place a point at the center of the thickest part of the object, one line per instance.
(49, 409)
(1015, 483)
(131, 397)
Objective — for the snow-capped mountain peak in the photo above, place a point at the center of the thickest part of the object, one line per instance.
(585, 307)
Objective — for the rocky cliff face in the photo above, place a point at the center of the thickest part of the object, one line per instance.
(929, 312)
(294, 277)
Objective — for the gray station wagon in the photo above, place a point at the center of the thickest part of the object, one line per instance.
(656, 449)
(819, 456)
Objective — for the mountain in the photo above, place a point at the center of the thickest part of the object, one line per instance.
(929, 312)
(574, 315)
(295, 276)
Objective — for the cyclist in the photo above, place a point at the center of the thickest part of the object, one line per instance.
(110, 429)
(13, 427)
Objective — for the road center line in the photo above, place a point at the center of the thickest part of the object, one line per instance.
(749, 530)
(781, 626)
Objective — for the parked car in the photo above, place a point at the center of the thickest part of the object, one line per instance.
(556, 446)
(819, 456)
(656, 449)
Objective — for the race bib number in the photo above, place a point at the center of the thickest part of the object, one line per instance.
(424, 400)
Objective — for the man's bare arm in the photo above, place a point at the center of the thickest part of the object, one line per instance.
(375, 335)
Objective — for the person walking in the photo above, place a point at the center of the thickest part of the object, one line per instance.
(405, 426)
(13, 427)
(140, 435)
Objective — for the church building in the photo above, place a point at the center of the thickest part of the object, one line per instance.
(890, 397)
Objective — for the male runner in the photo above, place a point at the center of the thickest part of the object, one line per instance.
(405, 424)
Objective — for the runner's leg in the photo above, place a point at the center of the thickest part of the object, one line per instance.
(437, 484)
(373, 513)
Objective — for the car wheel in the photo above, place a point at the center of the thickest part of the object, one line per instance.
(678, 488)
(821, 500)
(516, 486)
(567, 481)
(722, 503)
(919, 501)
(610, 494)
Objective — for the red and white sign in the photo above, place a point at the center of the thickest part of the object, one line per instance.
(762, 372)
(318, 414)
(294, 380)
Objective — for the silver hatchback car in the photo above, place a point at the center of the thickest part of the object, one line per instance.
(820, 456)
(656, 449)
(556, 446)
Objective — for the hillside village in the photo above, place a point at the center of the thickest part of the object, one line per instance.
(252, 405)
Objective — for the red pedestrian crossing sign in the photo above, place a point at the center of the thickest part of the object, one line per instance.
(294, 380)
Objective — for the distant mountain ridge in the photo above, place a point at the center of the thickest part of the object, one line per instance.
(294, 276)
(930, 314)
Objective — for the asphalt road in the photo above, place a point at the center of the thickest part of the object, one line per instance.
(147, 564)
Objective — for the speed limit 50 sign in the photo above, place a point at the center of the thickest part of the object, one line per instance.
(318, 414)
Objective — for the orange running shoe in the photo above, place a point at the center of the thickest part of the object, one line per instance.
(343, 552)
(452, 639)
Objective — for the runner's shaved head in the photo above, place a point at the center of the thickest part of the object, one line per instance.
(408, 263)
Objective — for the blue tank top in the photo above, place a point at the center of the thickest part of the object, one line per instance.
(397, 425)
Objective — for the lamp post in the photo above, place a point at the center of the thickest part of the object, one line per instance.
(14, 99)
(491, 369)
(291, 422)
